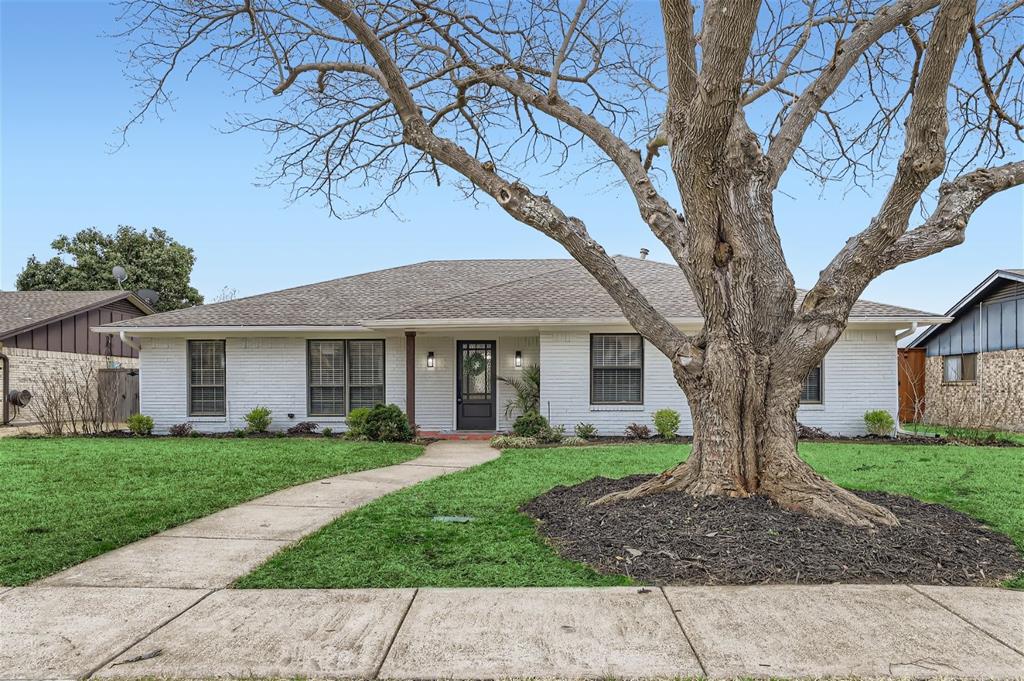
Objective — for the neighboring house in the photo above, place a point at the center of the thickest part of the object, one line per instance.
(974, 365)
(42, 331)
(433, 338)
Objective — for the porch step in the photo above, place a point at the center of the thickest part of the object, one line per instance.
(476, 436)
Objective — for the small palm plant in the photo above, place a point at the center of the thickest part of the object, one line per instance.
(526, 391)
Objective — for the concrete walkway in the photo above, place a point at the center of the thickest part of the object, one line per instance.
(214, 551)
(720, 632)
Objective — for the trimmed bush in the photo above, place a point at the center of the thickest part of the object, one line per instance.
(551, 435)
(240, 432)
(879, 422)
(357, 422)
(303, 428)
(258, 420)
(180, 430)
(666, 422)
(388, 423)
(327, 432)
(586, 431)
(140, 424)
(529, 424)
(637, 431)
(574, 441)
(513, 442)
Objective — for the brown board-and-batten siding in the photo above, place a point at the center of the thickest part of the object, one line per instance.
(73, 334)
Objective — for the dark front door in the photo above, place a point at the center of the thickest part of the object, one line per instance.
(475, 402)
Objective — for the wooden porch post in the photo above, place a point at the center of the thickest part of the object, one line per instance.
(410, 376)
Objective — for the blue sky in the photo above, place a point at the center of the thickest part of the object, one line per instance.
(63, 94)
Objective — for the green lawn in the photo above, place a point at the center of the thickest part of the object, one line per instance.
(393, 542)
(65, 500)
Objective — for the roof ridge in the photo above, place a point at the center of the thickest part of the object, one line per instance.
(570, 263)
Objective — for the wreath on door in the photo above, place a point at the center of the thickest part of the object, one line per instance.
(475, 364)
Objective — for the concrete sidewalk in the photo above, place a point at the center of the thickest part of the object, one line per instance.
(780, 631)
(214, 551)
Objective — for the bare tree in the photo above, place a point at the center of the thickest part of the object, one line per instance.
(499, 95)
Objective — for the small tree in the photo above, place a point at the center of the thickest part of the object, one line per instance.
(496, 97)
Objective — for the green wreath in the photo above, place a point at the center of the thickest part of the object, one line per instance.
(475, 364)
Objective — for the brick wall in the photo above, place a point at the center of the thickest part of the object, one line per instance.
(995, 400)
(27, 366)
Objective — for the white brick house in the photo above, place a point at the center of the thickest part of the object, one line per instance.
(433, 337)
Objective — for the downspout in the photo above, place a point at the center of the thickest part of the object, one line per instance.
(6, 363)
(900, 335)
(131, 344)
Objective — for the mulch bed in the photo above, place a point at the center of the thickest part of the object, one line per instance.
(673, 538)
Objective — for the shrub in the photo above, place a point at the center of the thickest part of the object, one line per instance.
(551, 435)
(666, 422)
(637, 431)
(529, 424)
(180, 429)
(327, 432)
(513, 442)
(240, 432)
(195, 433)
(586, 431)
(525, 391)
(879, 422)
(140, 424)
(357, 422)
(303, 428)
(388, 423)
(258, 420)
(574, 441)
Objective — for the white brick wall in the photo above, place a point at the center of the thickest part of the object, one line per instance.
(859, 374)
(259, 371)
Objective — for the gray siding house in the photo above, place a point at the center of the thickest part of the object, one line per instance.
(974, 366)
(433, 337)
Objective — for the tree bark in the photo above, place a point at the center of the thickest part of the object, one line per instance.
(744, 444)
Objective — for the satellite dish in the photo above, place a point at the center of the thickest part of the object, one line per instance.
(148, 295)
(120, 274)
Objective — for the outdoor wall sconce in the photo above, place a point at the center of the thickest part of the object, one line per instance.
(519, 359)
(430, 360)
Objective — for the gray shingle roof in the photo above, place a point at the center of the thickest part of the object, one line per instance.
(462, 289)
(26, 309)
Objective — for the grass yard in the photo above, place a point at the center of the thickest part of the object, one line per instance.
(394, 542)
(65, 500)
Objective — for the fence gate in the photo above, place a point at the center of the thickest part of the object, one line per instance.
(911, 384)
(121, 387)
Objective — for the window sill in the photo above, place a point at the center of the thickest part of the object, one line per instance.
(208, 419)
(812, 406)
(975, 382)
(616, 407)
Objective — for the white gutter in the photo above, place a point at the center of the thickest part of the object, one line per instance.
(131, 344)
(135, 330)
(900, 335)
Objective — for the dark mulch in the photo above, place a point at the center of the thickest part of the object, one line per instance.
(673, 538)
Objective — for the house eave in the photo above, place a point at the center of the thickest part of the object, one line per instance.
(230, 329)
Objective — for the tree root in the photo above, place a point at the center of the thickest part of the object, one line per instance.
(806, 492)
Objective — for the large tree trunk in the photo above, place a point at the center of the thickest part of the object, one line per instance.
(744, 444)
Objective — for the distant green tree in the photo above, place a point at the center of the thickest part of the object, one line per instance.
(151, 258)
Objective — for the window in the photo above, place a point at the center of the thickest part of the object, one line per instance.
(344, 375)
(810, 391)
(206, 378)
(959, 368)
(616, 368)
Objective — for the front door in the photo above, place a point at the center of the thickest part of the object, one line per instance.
(475, 400)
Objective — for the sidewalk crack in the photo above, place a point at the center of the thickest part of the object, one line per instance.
(969, 622)
(394, 637)
(679, 623)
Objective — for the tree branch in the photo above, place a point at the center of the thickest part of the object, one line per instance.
(810, 101)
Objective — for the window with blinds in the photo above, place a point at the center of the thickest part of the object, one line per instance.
(206, 372)
(345, 375)
(810, 390)
(616, 368)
